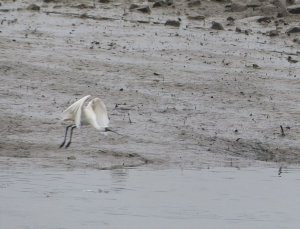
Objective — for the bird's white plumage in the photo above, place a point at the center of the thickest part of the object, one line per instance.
(94, 113)
(73, 112)
(97, 107)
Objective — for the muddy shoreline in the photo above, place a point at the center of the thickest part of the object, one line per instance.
(187, 96)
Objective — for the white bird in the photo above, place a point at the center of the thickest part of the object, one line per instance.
(94, 114)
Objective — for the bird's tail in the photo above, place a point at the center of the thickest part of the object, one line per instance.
(110, 130)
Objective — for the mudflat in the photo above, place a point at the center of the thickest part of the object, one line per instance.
(187, 84)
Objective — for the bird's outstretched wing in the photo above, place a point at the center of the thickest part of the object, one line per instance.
(73, 112)
(100, 112)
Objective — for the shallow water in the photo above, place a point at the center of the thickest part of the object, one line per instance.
(145, 198)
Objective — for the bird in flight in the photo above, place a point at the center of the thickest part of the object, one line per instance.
(94, 114)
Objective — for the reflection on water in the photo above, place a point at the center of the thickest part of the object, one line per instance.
(142, 198)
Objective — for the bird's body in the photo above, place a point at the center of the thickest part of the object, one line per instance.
(94, 114)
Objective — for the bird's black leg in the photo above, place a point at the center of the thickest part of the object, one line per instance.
(69, 143)
(66, 133)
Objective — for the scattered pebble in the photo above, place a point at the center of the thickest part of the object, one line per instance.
(255, 66)
(33, 7)
(264, 20)
(196, 17)
(160, 3)
(293, 30)
(254, 3)
(230, 21)
(217, 26)
(237, 7)
(272, 33)
(294, 9)
(83, 6)
(133, 6)
(289, 59)
(144, 9)
(239, 30)
(194, 3)
(297, 41)
(173, 23)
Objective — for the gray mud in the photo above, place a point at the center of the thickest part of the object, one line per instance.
(185, 96)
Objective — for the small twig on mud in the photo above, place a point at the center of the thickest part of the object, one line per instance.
(279, 171)
(82, 16)
(282, 131)
(129, 119)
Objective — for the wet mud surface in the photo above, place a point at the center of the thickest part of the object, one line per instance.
(188, 96)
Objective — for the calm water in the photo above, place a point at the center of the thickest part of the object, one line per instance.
(145, 198)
